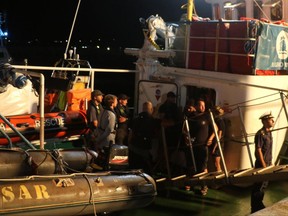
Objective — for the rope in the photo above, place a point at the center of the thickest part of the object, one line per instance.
(92, 195)
(32, 162)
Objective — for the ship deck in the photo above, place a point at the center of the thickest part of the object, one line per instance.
(225, 201)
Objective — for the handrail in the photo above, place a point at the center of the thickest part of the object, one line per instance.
(16, 131)
(219, 144)
(29, 67)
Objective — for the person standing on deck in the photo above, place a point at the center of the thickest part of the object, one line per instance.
(107, 122)
(263, 153)
(93, 113)
(169, 114)
(122, 113)
(200, 129)
(144, 128)
(219, 121)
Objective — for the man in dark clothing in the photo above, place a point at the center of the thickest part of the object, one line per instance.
(263, 153)
(93, 113)
(200, 129)
(122, 113)
(143, 129)
(169, 115)
(215, 151)
(169, 110)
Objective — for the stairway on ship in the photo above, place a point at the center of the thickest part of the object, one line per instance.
(277, 172)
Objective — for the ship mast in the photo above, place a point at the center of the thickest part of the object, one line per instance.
(73, 24)
(190, 8)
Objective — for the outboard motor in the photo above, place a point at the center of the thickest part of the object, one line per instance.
(8, 75)
(118, 157)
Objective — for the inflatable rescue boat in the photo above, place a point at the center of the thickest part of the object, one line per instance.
(62, 182)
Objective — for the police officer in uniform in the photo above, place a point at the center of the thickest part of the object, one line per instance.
(263, 153)
(93, 112)
(122, 113)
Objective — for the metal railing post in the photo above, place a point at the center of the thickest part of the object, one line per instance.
(245, 136)
(218, 144)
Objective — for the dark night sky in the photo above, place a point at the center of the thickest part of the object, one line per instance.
(52, 19)
(43, 21)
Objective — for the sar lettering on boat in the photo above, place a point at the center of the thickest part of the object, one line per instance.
(10, 194)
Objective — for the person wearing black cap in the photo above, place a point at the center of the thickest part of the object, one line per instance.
(122, 113)
(93, 113)
(263, 153)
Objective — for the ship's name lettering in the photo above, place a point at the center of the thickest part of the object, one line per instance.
(11, 193)
(279, 64)
(51, 122)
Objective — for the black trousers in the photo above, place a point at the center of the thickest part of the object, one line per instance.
(257, 196)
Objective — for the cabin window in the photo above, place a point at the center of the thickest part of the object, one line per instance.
(194, 92)
(234, 11)
(275, 9)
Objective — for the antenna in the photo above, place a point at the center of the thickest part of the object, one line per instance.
(68, 43)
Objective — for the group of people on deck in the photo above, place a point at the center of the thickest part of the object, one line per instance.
(110, 123)
(108, 117)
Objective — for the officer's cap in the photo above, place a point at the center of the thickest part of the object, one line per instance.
(266, 115)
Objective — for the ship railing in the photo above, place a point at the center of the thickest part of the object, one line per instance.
(188, 47)
(40, 69)
(283, 150)
(190, 145)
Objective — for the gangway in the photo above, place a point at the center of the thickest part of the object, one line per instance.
(276, 172)
(237, 177)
